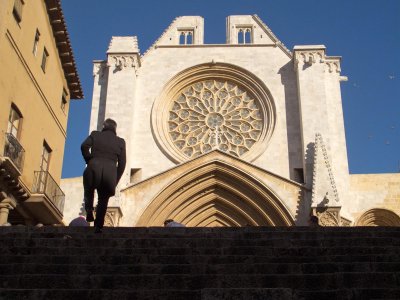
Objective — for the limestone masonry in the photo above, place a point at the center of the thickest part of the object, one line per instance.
(243, 133)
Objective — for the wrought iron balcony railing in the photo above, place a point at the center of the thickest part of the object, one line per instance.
(14, 151)
(45, 184)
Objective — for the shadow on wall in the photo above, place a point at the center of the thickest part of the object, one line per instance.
(293, 131)
(304, 204)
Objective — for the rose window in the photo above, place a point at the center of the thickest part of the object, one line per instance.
(214, 114)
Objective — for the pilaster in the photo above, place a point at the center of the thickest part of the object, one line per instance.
(318, 82)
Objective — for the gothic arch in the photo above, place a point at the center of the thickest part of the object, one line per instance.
(217, 194)
(378, 217)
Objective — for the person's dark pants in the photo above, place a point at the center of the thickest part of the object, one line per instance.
(101, 175)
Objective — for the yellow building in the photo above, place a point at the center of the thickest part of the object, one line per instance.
(38, 77)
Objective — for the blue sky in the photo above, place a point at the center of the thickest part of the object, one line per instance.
(366, 33)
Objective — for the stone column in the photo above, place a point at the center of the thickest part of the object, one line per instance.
(6, 204)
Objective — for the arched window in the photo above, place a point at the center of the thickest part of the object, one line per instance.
(182, 38)
(189, 38)
(240, 36)
(186, 37)
(14, 121)
(247, 37)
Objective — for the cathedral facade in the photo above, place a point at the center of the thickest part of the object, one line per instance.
(247, 133)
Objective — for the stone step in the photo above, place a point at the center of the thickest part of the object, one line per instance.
(189, 251)
(192, 259)
(199, 242)
(203, 294)
(247, 233)
(99, 294)
(200, 281)
(240, 268)
(349, 294)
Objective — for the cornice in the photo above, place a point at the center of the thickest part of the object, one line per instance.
(62, 41)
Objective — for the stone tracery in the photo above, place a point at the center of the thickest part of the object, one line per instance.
(214, 114)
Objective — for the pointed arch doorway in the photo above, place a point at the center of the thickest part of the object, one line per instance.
(217, 194)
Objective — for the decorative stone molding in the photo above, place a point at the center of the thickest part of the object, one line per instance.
(378, 217)
(152, 47)
(99, 68)
(120, 62)
(217, 191)
(324, 190)
(215, 114)
(112, 217)
(270, 33)
(328, 216)
(310, 57)
(333, 66)
(205, 85)
(345, 222)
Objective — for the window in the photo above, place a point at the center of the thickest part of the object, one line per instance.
(17, 10)
(64, 100)
(36, 42)
(182, 38)
(186, 37)
(14, 121)
(44, 59)
(189, 38)
(44, 167)
(244, 36)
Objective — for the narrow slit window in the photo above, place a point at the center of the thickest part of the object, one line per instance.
(36, 42)
(17, 10)
(45, 58)
(64, 100)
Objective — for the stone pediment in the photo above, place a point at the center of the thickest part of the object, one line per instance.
(214, 188)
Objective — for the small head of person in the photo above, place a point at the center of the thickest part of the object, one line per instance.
(110, 124)
(172, 223)
(313, 221)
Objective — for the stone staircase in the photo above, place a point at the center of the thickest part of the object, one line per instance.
(200, 263)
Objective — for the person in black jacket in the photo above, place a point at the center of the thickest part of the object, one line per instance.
(105, 156)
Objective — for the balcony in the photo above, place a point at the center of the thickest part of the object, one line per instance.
(47, 199)
(13, 154)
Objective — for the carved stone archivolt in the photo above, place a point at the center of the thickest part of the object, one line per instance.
(216, 194)
(378, 217)
(209, 107)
